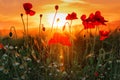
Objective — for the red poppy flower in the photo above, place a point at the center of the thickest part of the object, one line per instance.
(99, 19)
(27, 7)
(88, 25)
(103, 34)
(1, 46)
(91, 18)
(30, 12)
(59, 38)
(83, 17)
(71, 16)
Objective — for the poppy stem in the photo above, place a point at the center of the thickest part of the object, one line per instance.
(53, 20)
(23, 24)
(27, 25)
(70, 26)
(40, 25)
(65, 26)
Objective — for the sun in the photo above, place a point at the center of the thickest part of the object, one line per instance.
(59, 20)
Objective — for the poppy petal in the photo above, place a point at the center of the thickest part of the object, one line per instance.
(27, 6)
(31, 13)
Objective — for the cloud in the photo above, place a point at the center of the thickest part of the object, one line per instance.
(74, 1)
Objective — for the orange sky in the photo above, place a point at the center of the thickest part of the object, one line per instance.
(10, 11)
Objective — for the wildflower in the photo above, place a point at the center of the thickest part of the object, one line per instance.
(99, 19)
(84, 78)
(96, 74)
(21, 67)
(5, 71)
(11, 47)
(83, 17)
(110, 62)
(23, 77)
(1, 68)
(87, 22)
(59, 38)
(4, 56)
(93, 20)
(1, 46)
(27, 7)
(50, 74)
(64, 73)
(71, 16)
(16, 64)
(118, 61)
(28, 59)
(103, 34)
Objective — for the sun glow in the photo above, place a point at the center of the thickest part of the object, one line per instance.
(59, 20)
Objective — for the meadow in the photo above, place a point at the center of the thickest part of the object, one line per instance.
(61, 55)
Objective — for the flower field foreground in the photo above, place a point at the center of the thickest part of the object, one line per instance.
(62, 55)
(83, 60)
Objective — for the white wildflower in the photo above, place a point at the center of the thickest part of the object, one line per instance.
(61, 64)
(28, 59)
(64, 73)
(100, 65)
(118, 61)
(38, 61)
(55, 65)
(21, 67)
(5, 71)
(58, 70)
(110, 62)
(50, 74)
(11, 47)
(6, 46)
(1, 68)
(16, 47)
(16, 64)
(4, 55)
(84, 78)
(23, 77)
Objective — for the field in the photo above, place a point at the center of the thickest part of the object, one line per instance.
(88, 58)
(88, 53)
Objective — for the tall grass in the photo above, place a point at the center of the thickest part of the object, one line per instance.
(39, 61)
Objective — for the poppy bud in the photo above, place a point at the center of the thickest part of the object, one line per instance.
(58, 19)
(41, 15)
(21, 14)
(56, 7)
(43, 28)
(84, 36)
(10, 34)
